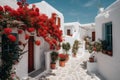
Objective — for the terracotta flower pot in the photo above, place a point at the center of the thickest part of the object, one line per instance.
(62, 63)
(53, 65)
(74, 55)
(109, 53)
(67, 57)
(91, 59)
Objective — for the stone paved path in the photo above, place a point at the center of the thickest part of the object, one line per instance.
(74, 69)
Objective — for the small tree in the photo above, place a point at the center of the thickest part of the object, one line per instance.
(66, 47)
(75, 47)
(54, 57)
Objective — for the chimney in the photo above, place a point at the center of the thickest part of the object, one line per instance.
(101, 9)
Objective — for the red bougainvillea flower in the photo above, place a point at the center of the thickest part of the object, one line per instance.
(31, 29)
(53, 15)
(58, 48)
(1, 9)
(7, 8)
(21, 11)
(14, 13)
(11, 37)
(62, 57)
(1, 16)
(26, 36)
(33, 14)
(33, 6)
(37, 42)
(19, 3)
(20, 31)
(7, 30)
(37, 9)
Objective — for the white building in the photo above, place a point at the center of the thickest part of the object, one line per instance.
(37, 60)
(76, 31)
(107, 24)
(71, 32)
(87, 30)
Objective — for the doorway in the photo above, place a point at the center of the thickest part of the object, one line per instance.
(93, 36)
(31, 54)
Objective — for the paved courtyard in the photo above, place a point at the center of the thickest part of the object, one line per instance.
(75, 69)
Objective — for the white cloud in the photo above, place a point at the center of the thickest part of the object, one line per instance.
(90, 3)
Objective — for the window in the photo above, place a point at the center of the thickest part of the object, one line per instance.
(107, 36)
(68, 32)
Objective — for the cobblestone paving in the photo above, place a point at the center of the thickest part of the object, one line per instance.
(74, 69)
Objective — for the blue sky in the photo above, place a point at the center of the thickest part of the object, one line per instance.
(83, 11)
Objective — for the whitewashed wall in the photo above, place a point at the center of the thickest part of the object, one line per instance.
(109, 66)
(74, 27)
(76, 34)
(83, 33)
(11, 3)
(71, 27)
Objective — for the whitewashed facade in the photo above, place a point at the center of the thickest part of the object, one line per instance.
(39, 51)
(77, 31)
(71, 32)
(11, 3)
(109, 66)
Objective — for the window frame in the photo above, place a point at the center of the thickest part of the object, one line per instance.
(107, 36)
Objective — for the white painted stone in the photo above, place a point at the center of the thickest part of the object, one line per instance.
(108, 66)
(92, 67)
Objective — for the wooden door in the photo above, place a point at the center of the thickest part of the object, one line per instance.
(31, 54)
(93, 36)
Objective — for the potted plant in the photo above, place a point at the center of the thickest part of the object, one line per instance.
(91, 59)
(62, 58)
(54, 57)
(75, 47)
(104, 46)
(93, 47)
(66, 47)
(109, 50)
